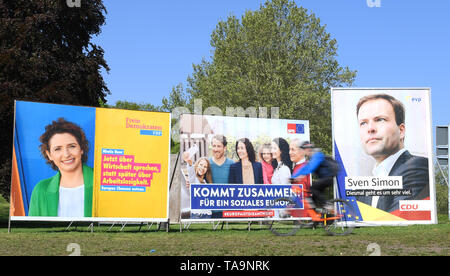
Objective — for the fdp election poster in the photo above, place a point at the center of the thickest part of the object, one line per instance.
(74, 163)
(235, 168)
(383, 141)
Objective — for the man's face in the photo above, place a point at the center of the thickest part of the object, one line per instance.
(295, 153)
(218, 150)
(379, 133)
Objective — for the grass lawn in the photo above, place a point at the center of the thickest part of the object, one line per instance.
(202, 240)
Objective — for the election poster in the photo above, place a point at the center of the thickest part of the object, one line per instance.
(383, 142)
(235, 168)
(75, 163)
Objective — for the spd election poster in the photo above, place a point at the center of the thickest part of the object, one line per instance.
(235, 168)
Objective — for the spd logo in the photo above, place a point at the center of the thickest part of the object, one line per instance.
(296, 128)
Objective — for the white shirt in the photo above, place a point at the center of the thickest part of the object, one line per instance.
(300, 162)
(192, 176)
(193, 179)
(384, 168)
(71, 202)
(281, 174)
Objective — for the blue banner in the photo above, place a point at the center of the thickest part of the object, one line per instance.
(242, 197)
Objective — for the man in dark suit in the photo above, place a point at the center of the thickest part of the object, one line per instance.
(381, 121)
(414, 170)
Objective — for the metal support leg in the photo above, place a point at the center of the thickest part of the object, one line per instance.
(91, 226)
(67, 229)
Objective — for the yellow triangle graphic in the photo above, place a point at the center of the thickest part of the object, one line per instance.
(370, 213)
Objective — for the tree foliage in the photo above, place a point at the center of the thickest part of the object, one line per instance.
(46, 56)
(136, 106)
(441, 183)
(177, 98)
(277, 56)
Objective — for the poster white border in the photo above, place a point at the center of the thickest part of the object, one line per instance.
(429, 148)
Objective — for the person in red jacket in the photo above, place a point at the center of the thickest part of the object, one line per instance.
(298, 158)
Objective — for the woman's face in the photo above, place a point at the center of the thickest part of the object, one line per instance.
(202, 167)
(65, 152)
(266, 155)
(276, 152)
(242, 151)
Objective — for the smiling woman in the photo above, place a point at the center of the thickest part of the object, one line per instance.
(69, 192)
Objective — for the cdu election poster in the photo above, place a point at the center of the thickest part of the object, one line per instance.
(383, 141)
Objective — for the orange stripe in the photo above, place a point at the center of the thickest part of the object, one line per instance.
(16, 205)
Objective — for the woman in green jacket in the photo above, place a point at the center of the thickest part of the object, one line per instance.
(69, 192)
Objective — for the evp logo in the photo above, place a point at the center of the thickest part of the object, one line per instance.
(296, 128)
(413, 99)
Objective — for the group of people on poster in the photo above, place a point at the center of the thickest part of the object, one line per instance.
(273, 163)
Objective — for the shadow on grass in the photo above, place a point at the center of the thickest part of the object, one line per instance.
(65, 227)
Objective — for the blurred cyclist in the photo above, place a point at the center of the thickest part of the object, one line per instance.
(324, 168)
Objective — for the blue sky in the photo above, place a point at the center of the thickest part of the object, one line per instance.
(150, 46)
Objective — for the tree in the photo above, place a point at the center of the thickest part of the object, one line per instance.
(441, 179)
(135, 106)
(177, 98)
(46, 56)
(278, 56)
(177, 103)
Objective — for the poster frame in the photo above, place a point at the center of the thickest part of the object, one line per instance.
(95, 219)
(429, 148)
(245, 219)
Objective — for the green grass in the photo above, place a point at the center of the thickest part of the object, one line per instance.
(201, 240)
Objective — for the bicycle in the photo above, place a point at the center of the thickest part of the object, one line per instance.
(339, 221)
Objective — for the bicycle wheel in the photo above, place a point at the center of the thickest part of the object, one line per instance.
(283, 227)
(345, 218)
